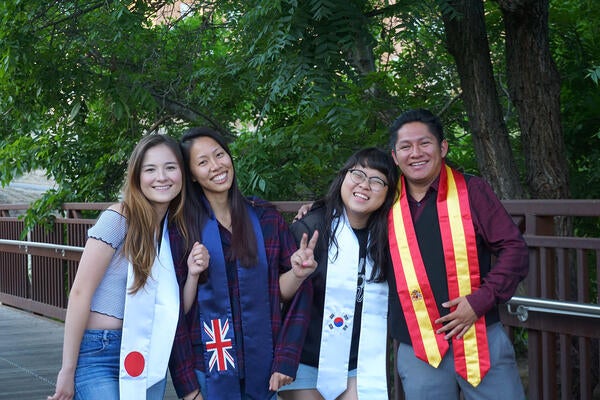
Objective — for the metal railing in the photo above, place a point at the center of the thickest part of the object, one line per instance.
(524, 305)
(555, 311)
(562, 345)
(40, 249)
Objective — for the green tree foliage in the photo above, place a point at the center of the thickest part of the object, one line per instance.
(296, 85)
(577, 54)
(70, 103)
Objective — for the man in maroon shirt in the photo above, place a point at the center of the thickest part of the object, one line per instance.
(445, 230)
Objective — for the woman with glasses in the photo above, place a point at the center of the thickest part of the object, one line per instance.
(346, 339)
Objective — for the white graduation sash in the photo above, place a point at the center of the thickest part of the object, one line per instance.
(338, 318)
(149, 324)
(371, 378)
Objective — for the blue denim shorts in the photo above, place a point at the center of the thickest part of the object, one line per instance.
(97, 373)
(306, 378)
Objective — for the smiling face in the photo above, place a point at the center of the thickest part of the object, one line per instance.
(360, 201)
(160, 176)
(419, 154)
(211, 167)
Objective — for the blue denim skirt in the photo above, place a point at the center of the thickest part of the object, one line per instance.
(97, 373)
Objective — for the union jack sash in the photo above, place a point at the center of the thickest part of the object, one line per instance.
(220, 345)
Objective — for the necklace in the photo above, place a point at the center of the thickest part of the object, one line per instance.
(224, 224)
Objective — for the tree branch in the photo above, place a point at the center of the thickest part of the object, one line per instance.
(179, 109)
(451, 101)
(389, 10)
(157, 123)
(73, 16)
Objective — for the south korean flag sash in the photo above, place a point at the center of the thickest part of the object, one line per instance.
(149, 324)
(338, 318)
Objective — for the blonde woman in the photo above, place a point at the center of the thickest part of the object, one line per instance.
(125, 284)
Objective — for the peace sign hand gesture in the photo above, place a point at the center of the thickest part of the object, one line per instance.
(303, 260)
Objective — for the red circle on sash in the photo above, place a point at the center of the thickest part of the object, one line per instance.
(338, 321)
(134, 363)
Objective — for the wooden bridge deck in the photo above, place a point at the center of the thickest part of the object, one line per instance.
(30, 355)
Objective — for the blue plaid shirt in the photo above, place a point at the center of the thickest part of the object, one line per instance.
(289, 326)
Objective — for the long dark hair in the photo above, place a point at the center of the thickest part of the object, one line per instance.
(377, 224)
(243, 244)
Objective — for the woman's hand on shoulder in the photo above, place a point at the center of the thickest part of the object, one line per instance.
(303, 260)
(302, 211)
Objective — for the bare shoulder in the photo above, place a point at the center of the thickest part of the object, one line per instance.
(118, 207)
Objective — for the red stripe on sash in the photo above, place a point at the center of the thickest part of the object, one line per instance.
(471, 354)
(414, 290)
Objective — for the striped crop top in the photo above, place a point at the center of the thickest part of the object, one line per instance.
(109, 298)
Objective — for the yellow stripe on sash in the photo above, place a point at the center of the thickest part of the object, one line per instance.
(471, 352)
(459, 243)
(460, 268)
(427, 333)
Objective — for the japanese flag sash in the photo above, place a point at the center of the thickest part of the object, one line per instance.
(149, 324)
(338, 319)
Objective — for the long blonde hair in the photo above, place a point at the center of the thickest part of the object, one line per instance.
(143, 226)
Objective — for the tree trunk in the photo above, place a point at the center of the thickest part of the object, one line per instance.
(467, 42)
(534, 86)
(363, 59)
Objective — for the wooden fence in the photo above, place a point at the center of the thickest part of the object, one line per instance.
(554, 319)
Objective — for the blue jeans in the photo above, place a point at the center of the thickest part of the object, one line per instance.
(97, 373)
(502, 382)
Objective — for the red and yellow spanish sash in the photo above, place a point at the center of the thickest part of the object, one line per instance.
(471, 353)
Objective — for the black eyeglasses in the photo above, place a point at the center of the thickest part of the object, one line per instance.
(375, 183)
